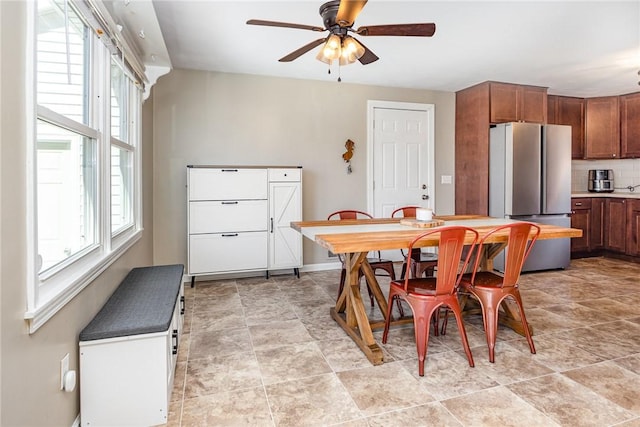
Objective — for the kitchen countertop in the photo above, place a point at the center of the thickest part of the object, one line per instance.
(615, 194)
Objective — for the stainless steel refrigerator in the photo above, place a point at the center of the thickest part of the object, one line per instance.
(530, 180)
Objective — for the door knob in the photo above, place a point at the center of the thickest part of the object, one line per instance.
(425, 197)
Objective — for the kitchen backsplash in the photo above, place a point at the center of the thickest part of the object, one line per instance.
(626, 172)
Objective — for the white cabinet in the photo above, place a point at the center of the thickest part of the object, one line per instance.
(128, 352)
(239, 219)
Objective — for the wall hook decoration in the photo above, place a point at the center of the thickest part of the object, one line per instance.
(349, 145)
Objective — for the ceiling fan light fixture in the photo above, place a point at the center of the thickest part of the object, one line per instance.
(330, 50)
(352, 47)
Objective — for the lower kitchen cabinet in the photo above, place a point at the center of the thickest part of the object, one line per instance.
(581, 218)
(596, 232)
(609, 225)
(633, 227)
(616, 225)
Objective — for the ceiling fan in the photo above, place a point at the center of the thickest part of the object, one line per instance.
(338, 17)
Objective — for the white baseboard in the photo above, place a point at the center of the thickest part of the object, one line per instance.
(76, 422)
(304, 269)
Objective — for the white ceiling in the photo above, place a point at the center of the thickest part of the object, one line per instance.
(575, 48)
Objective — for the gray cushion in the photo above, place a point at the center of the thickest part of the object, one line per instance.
(142, 304)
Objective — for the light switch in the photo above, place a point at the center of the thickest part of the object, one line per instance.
(445, 179)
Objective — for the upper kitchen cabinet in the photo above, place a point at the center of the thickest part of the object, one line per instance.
(567, 110)
(630, 125)
(602, 134)
(517, 103)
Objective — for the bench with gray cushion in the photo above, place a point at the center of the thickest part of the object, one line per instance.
(143, 303)
(128, 352)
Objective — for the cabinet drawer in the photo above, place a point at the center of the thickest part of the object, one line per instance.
(226, 252)
(227, 184)
(584, 203)
(227, 215)
(284, 174)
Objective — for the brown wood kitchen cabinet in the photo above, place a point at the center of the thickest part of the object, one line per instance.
(588, 215)
(633, 227)
(517, 103)
(616, 225)
(630, 125)
(477, 107)
(567, 110)
(598, 219)
(602, 128)
(581, 218)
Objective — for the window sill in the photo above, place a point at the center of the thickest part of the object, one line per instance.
(51, 304)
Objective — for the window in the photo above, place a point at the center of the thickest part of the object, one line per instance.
(85, 156)
(123, 92)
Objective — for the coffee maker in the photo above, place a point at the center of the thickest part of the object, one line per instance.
(600, 181)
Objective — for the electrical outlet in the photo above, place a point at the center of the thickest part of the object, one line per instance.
(64, 368)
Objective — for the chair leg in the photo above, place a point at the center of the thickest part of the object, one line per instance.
(525, 325)
(422, 313)
(360, 274)
(343, 276)
(387, 320)
(455, 307)
(490, 320)
(404, 269)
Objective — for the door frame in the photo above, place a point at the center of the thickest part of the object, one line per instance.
(393, 105)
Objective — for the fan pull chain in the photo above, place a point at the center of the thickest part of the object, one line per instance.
(339, 73)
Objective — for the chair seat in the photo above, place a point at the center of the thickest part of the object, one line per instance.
(484, 279)
(421, 286)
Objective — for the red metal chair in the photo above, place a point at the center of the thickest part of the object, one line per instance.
(376, 263)
(491, 288)
(425, 296)
(421, 263)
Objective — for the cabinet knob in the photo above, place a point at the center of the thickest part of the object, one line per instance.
(578, 203)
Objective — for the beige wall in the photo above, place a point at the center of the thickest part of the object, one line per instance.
(30, 364)
(232, 119)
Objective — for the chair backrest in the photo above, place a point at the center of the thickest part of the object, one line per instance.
(519, 244)
(407, 212)
(348, 214)
(452, 240)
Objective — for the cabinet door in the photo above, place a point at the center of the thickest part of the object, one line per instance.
(285, 243)
(552, 110)
(596, 234)
(602, 128)
(630, 125)
(571, 112)
(616, 225)
(581, 218)
(504, 103)
(633, 227)
(532, 104)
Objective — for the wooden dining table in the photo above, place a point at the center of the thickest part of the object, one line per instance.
(354, 239)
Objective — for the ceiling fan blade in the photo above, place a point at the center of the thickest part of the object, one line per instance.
(349, 11)
(304, 49)
(283, 24)
(416, 30)
(368, 57)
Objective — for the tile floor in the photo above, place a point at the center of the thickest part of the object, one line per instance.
(258, 352)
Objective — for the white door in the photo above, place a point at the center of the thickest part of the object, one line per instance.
(401, 164)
